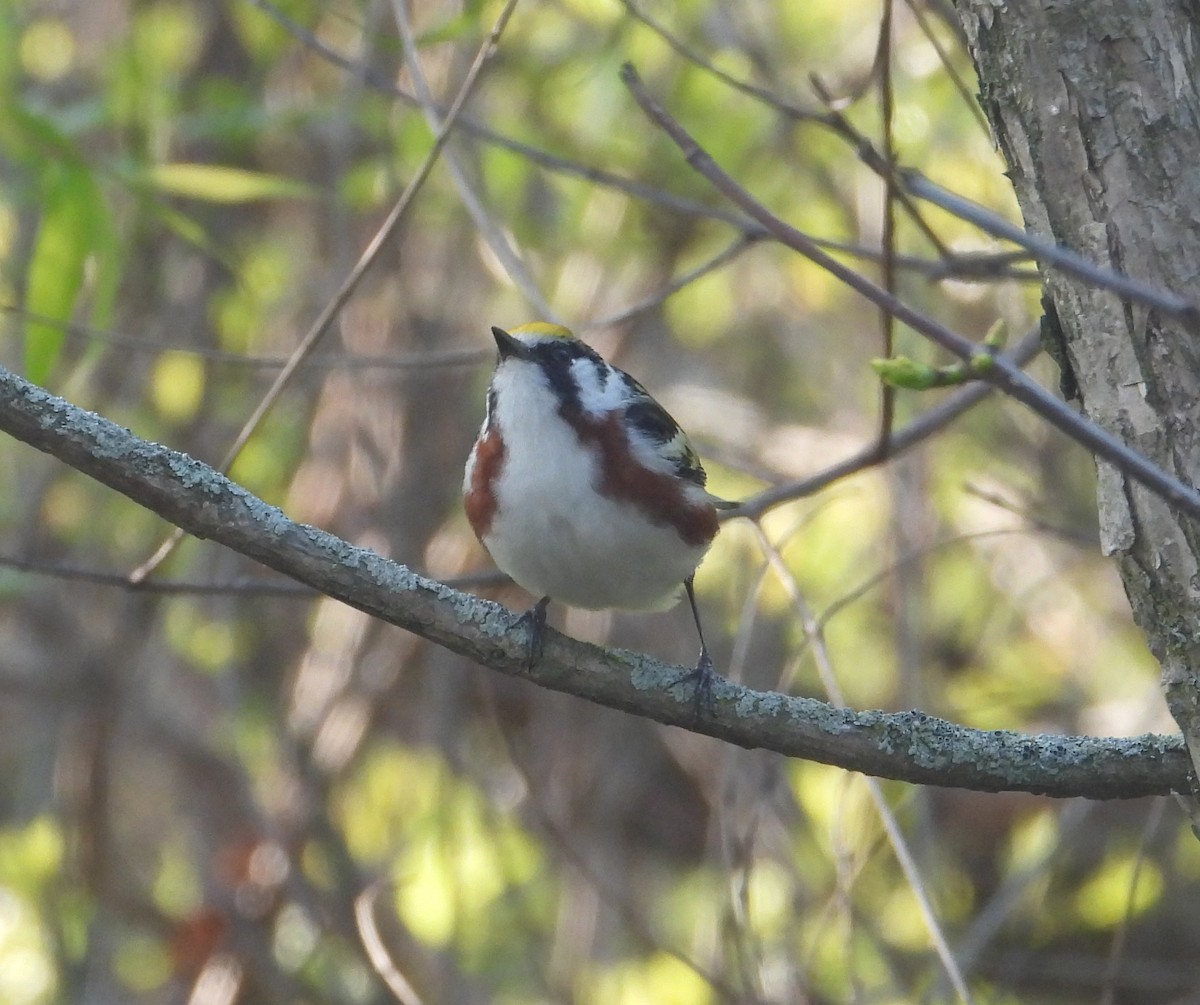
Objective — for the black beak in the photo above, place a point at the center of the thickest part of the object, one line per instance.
(509, 346)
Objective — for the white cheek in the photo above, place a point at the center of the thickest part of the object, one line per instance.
(597, 396)
(524, 400)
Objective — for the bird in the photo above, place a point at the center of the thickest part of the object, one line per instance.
(583, 489)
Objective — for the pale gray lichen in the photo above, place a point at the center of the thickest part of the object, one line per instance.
(195, 476)
(647, 675)
(491, 619)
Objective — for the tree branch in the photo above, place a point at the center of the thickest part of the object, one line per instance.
(1002, 372)
(1051, 253)
(900, 440)
(910, 746)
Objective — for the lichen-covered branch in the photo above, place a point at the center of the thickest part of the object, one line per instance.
(910, 746)
(1096, 110)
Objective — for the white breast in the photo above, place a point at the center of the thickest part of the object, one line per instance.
(554, 533)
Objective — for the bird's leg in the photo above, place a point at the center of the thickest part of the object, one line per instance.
(534, 621)
(704, 675)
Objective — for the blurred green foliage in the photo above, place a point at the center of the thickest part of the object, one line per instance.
(196, 788)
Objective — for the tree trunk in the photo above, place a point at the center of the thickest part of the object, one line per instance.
(1095, 107)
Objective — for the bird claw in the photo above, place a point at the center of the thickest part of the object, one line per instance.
(534, 623)
(704, 676)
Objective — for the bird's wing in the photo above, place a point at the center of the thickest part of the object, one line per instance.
(651, 422)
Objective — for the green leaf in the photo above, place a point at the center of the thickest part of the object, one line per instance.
(74, 225)
(214, 183)
(902, 372)
(997, 335)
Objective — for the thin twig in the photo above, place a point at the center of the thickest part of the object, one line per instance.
(375, 948)
(640, 928)
(543, 158)
(908, 865)
(1063, 259)
(964, 92)
(492, 232)
(1116, 952)
(906, 438)
(433, 359)
(831, 117)
(856, 593)
(658, 297)
(887, 323)
(331, 310)
(991, 917)
(911, 746)
(244, 586)
(950, 266)
(1076, 539)
(786, 108)
(841, 127)
(1001, 371)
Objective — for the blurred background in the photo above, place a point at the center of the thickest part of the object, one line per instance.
(197, 782)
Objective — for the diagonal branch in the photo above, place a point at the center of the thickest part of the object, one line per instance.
(900, 440)
(1052, 254)
(1001, 371)
(910, 746)
(353, 278)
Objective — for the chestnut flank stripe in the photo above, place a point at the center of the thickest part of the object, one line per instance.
(480, 501)
(661, 497)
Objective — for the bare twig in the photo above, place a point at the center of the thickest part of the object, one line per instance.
(908, 865)
(887, 323)
(543, 158)
(1032, 522)
(659, 296)
(256, 586)
(856, 593)
(465, 356)
(331, 310)
(908, 437)
(637, 924)
(879, 163)
(787, 108)
(964, 92)
(376, 949)
(911, 746)
(244, 586)
(829, 117)
(1116, 953)
(1063, 259)
(499, 243)
(1001, 371)
(949, 266)
(989, 918)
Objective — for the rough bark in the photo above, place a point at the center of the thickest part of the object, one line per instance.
(1095, 106)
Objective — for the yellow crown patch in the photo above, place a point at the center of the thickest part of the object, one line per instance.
(542, 328)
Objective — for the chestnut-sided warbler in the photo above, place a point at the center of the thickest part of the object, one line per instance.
(582, 487)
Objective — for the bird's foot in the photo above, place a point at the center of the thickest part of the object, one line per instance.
(534, 623)
(703, 677)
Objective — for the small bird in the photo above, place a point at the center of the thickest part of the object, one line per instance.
(582, 487)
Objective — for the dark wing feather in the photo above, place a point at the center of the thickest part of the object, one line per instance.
(650, 419)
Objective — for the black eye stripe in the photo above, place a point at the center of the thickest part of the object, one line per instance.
(564, 387)
(556, 357)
